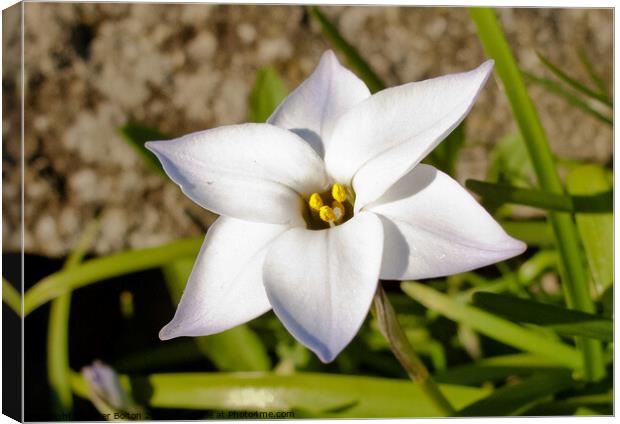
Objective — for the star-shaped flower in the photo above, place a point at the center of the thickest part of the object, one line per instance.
(325, 199)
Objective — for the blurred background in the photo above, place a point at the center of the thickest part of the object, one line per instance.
(90, 68)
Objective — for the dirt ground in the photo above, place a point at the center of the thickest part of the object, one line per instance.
(92, 67)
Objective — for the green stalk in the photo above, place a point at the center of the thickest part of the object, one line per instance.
(99, 269)
(408, 358)
(574, 277)
(58, 369)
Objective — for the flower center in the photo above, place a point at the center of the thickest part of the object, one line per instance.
(328, 209)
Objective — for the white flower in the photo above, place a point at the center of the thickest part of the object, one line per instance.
(383, 215)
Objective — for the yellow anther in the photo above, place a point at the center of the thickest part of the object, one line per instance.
(338, 209)
(327, 214)
(339, 192)
(315, 201)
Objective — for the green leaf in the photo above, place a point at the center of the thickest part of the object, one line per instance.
(572, 271)
(534, 233)
(564, 321)
(559, 90)
(354, 60)
(11, 297)
(495, 368)
(601, 202)
(98, 269)
(596, 230)
(509, 162)
(493, 326)
(238, 349)
(327, 395)
(136, 135)
(573, 82)
(58, 369)
(268, 92)
(536, 265)
(511, 399)
(601, 403)
(446, 154)
(528, 271)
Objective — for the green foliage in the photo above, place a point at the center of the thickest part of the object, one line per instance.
(58, 368)
(268, 92)
(600, 202)
(325, 395)
(562, 320)
(575, 282)
(574, 83)
(572, 99)
(98, 269)
(594, 76)
(596, 229)
(492, 326)
(496, 369)
(509, 400)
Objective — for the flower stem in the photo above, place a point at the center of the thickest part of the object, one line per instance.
(410, 361)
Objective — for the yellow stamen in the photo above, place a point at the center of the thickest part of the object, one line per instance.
(338, 210)
(327, 214)
(315, 201)
(339, 192)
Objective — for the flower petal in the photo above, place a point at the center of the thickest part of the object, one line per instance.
(434, 227)
(384, 137)
(254, 172)
(315, 105)
(225, 288)
(321, 283)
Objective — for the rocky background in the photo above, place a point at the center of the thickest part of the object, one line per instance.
(180, 68)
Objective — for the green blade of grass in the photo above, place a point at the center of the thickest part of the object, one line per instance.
(565, 321)
(98, 269)
(269, 90)
(325, 395)
(238, 349)
(573, 82)
(594, 76)
(511, 399)
(58, 369)
(570, 405)
(596, 230)
(572, 271)
(11, 297)
(559, 90)
(496, 368)
(509, 162)
(534, 233)
(493, 326)
(355, 61)
(601, 202)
